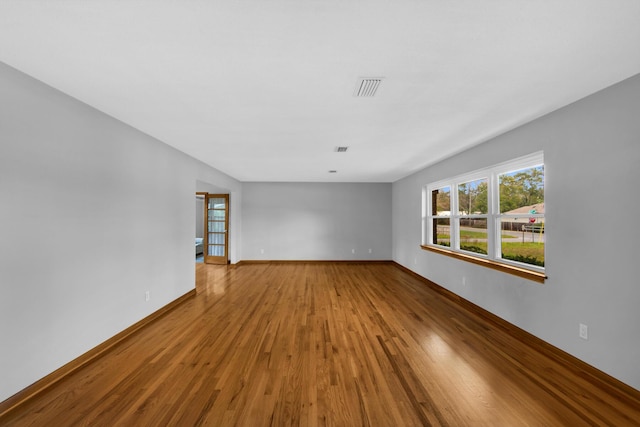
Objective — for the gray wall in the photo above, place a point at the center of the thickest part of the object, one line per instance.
(199, 217)
(592, 167)
(316, 221)
(93, 213)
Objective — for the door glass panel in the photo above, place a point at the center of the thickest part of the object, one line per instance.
(216, 226)
(216, 238)
(216, 214)
(216, 250)
(217, 203)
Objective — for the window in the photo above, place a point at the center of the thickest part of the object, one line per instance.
(494, 215)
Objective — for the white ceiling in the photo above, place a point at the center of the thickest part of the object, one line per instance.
(263, 90)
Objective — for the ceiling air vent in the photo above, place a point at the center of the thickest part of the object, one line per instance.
(341, 149)
(366, 87)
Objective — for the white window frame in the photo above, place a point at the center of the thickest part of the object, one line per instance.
(493, 216)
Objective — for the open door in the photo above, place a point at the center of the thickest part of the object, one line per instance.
(216, 237)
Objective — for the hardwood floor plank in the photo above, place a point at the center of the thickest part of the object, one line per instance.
(325, 344)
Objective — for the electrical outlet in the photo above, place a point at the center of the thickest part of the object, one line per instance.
(261, 251)
(147, 296)
(584, 331)
(370, 250)
(353, 251)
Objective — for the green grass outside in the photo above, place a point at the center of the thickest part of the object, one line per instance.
(469, 234)
(477, 247)
(528, 252)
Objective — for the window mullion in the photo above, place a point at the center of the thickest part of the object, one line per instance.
(494, 214)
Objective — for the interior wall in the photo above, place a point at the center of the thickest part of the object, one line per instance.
(200, 217)
(316, 221)
(592, 153)
(94, 214)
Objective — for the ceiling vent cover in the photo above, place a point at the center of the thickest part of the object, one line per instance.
(366, 87)
(341, 149)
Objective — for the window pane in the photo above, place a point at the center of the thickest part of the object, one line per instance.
(473, 235)
(472, 197)
(217, 226)
(441, 231)
(216, 238)
(217, 203)
(216, 214)
(216, 250)
(523, 240)
(441, 201)
(522, 191)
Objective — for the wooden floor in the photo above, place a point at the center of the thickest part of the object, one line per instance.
(323, 344)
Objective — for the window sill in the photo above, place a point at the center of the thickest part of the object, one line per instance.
(505, 268)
